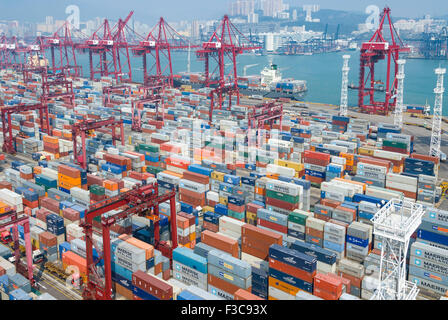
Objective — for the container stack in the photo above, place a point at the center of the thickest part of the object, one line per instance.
(315, 231)
(334, 237)
(190, 268)
(297, 224)
(354, 272)
(359, 240)
(407, 185)
(315, 166)
(289, 272)
(227, 275)
(326, 260)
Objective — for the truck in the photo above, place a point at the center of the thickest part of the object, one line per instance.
(38, 257)
(5, 237)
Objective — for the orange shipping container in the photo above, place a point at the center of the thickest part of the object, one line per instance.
(149, 249)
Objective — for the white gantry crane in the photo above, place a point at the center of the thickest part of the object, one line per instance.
(398, 118)
(394, 224)
(343, 111)
(437, 114)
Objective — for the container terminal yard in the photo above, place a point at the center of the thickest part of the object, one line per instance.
(117, 190)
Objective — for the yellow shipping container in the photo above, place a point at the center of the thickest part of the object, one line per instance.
(289, 164)
(365, 151)
(223, 200)
(208, 209)
(218, 176)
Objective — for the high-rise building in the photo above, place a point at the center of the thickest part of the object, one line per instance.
(252, 18)
(194, 32)
(242, 7)
(271, 8)
(49, 20)
(294, 15)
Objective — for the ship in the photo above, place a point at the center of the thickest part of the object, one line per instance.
(268, 84)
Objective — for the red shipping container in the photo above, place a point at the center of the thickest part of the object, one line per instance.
(196, 177)
(152, 285)
(221, 242)
(345, 281)
(318, 292)
(69, 171)
(236, 208)
(425, 157)
(317, 155)
(330, 203)
(328, 284)
(272, 225)
(70, 214)
(242, 294)
(282, 204)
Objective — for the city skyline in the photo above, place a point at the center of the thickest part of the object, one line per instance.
(149, 11)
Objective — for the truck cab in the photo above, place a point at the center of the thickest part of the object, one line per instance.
(5, 237)
(38, 257)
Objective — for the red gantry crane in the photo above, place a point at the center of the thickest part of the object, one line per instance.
(6, 112)
(158, 44)
(226, 41)
(121, 89)
(62, 50)
(84, 128)
(108, 43)
(141, 200)
(150, 95)
(376, 49)
(13, 219)
(265, 113)
(57, 86)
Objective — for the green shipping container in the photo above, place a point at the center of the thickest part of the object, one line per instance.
(149, 147)
(153, 170)
(297, 218)
(395, 144)
(97, 190)
(282, 196)
(237, 215)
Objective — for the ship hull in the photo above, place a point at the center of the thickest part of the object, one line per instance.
(297, 96)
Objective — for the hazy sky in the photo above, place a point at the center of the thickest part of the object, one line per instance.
(151, 10)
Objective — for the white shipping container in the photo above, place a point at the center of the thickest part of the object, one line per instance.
(283, 171)
(392, 177)
(284, 187)
(315, 223)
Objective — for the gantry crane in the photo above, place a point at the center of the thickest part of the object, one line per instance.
(107, 42)
(266, 112)
(158, 44)
(141, 200)
(9, 57)
(11, 219)
(394, 224)
(376, 49)
(62, 51)
(57, 86)
(226, 41)
(84, 128)
(107, 91)
(150, 95)
(436, 134)
(6, 112)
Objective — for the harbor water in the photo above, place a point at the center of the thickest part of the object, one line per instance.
(321, 71)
